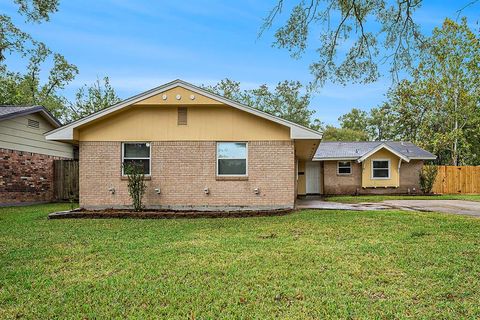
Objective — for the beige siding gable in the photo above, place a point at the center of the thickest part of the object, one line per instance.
(179, 96)
(205, 123)
(16, 134)
(393, 181)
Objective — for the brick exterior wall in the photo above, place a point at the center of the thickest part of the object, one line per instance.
(25, 177)
(182, 169)
(352, 184)
(341, 184)
(410, 176)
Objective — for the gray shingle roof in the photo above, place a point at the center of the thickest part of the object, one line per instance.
(355, 150)
(8, 110)
(12, 111)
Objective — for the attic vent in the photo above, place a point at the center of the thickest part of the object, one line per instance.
(33, 123)
(182, 116)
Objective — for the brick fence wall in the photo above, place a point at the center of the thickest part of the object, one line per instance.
(25, 177)
(182, 169)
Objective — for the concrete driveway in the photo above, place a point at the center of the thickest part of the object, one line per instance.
(470, 208)
(461, 207)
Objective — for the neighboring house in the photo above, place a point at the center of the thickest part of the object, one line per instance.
(364, 168)
(198, 150)
(26, 157)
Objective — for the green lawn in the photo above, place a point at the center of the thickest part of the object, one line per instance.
(311, 264)
(380, 198)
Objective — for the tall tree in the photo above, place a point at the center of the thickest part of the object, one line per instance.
(356, 119)
(331, 133)
(12, 38)
(351, 37)
(439, 107)
(287, 100)
(29, 89)
(381, 124)
(93, 98)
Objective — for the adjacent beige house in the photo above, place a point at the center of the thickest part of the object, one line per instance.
(379, 167)
(198, 150)
(26, 157)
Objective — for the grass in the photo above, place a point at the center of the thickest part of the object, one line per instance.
(311, 264)
(380, 198)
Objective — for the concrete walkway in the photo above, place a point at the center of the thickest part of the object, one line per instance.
(327, 205)
(461, 207)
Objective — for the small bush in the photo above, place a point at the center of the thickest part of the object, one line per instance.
(428, 174)
(136, 184)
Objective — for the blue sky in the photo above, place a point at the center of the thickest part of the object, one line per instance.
(142, 44)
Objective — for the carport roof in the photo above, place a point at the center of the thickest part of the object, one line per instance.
(336, 150)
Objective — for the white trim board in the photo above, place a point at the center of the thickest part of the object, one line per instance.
(335, 159)
(296, 131)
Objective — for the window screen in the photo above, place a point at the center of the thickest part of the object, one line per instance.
(232, 158)
(136, 154)
(344, 167)
(381, 169)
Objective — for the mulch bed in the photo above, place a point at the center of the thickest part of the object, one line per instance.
(162, 214)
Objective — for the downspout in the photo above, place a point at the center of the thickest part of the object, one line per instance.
(399, 165)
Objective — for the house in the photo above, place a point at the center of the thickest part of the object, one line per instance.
(374, 167)
(26, 157)
(198, 151)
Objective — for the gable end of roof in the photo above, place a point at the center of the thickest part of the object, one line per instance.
(296, 131)
(12, 112)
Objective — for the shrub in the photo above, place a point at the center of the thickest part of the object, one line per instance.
(428, 174)
(136, 184)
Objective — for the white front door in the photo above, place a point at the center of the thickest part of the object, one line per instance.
(313, 175)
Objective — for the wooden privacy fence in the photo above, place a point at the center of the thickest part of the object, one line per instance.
(65, 179)
(457, 179)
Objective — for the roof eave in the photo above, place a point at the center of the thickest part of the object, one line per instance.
(424, 158)
(334, 158)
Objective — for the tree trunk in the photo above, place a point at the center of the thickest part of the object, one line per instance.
(455, 128)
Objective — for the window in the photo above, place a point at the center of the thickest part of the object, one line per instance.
(182, 116)
(381, 169)
(33, 123)
(344, 167)
(137, 153)
(232, 158)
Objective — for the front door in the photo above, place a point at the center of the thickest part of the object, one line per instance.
(313, 177)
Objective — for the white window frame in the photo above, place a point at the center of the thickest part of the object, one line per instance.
(389, 169)
(149, 156)
(246, 160)
(338, 168)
